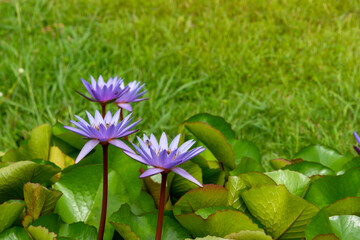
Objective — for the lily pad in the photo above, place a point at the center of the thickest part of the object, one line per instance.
(82, 195)
(279, 163)
(9, 212)
(215, 134)
(329, 189)
(39, 200)
(345, 227)
(345, 206)
(130, 226)
(15, 233)
(326, 156)
(41, 233)
(14, 176)
(249, 235)
(247, 165)
(36, 148)
(180, 185)
(198, 211)
(236, 185)
(53, 223)
(295, 182)
(310, 169)
(243, 148)
(281, 213)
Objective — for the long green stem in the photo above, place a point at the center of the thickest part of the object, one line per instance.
(161, 206)
(105, 191)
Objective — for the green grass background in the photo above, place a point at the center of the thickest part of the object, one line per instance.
(285, 74)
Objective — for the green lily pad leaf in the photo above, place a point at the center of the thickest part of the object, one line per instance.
(295, 182)
(36, 148)
(279, 163)
(344, 227)
(249, 235)
(208, 238)
(243, 148)
(41, 233)
(39, 200)
(310, 169)
(143, 204)
(214, 223)
(215, 134)
(247, 165)
(54, 224)
(329, 189)
(15, 233)
(68, 137)
(326, 156)
(9, 212)
(329, 236)
(207, 199)
(181, 185)
(206, 212)
(130, 226)
(212, 173)
(255, 179)
(355, 162)
(281, 213)
(345, 206)
(82, 195)
(217, 122)
(14, 176)
(127, 168)
(208, 196)
(236, 185)
(60, 159)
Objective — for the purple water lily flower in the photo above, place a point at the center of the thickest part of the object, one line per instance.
(130, 96)
(358, 140)
(103, 130)
(164, 157)
(104, 92)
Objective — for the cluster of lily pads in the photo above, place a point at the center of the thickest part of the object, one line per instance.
(45, 195)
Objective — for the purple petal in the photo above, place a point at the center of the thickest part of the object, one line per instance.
(185, 146)
(136, 157)
(150, 172)
(125, 106)
(154, 142)
(186, 175)
(115, 118)
(78, 131)
(175, 142)
(357, 149)
(357, 137)
(90, 99)
(86, 149)
(91, 118)
(108, 117)
(163, 141)
(120, 144)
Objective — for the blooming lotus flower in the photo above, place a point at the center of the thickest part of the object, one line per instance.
(104, 92)
(130, 96)
(358, 140)
(164, 158)
(102, 130)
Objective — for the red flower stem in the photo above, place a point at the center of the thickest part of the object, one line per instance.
(121, 118)
(103, 106)
(161, 206)
(105, 191)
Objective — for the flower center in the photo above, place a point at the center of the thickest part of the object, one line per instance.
(97, 126)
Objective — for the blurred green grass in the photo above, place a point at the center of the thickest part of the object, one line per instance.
(283, 73)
